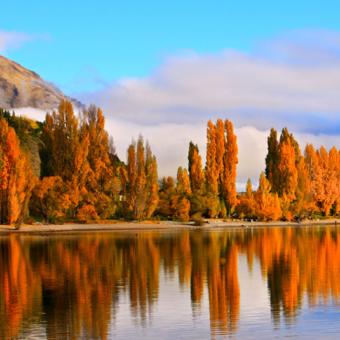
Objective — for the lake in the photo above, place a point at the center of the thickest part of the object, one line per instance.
(254, 283)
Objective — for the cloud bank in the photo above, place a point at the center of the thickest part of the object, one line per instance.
(291, 81)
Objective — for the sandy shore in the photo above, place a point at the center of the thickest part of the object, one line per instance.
(164, 225)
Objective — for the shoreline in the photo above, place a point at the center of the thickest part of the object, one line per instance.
(115, 226)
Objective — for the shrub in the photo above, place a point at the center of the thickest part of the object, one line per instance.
(87, 213)
(198, 220)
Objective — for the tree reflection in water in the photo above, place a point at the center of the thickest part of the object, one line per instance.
(72, 284)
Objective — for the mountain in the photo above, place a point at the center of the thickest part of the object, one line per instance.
(20, 87)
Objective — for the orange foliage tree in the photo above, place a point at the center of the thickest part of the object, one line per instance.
(65, 153)
(180, 200)
(166, 205)
(102, 184)
(230, 163)
(247, 206)
(196, 173)
(142, 181)
(272, 160)
(79, 167)
(16, 177)
(211, 169)
(267, 204)
(287, 171)
(50, 199)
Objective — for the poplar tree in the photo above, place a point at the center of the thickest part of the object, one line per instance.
(229, 172)
(180, 200)
(246, 206)
(131, 178)
(267, 203)
(16, 177)
(142, 181)
(183, 182)
(196, 174)
(286, 168)
(272, 160)
(220, 150)
(211, 169)
(102, 182)
(151, 182)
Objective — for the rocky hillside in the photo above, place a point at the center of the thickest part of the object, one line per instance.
(20, 87)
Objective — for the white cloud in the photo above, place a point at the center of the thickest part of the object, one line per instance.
(250, 89)
(10, 40)
(30, 112)
(170, 141)
(293, 81)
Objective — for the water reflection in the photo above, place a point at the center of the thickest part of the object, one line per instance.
(72, 286)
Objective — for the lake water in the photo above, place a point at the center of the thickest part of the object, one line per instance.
(254, 283)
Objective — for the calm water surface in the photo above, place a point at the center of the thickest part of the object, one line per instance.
(259, 283)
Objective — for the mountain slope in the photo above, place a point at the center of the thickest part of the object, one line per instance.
(20, 87)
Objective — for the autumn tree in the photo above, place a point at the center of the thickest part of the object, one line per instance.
(214, 168)
(303, 205)
(272, 160)
(182, 210)
(218, 196)
(50, 199)
(16, 177)
(151, 171)
(198, 199)
(330, 185)
(183, 182)
(220, 150)
(323, 172)
(167, 192)
(287, 170)
(142, 181)
(140, 204)
(211, 169)
(65, 153)
(230, 162)
(195, 168)
(102, 184)
(180, 199)
(246, 205)
(267, 204)
(61, 140)
(131, 175)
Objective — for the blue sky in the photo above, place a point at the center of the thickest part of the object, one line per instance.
(81, 45)
(163, 68)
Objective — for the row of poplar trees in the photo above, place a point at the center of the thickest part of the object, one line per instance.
(295, 185)
(208, 191)
(79, 176)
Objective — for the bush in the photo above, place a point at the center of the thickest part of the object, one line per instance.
(87, 213)
(198, 220)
